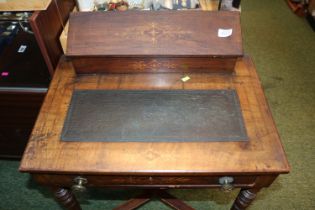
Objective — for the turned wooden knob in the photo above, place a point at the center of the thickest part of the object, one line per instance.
(226, 183)
(79, 184)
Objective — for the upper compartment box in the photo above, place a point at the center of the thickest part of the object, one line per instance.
(147, 41)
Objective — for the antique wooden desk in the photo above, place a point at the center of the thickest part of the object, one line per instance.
(252, 164)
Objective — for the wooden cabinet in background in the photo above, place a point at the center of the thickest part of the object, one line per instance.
(18, 112)
(25, 76)
(24, 79)
(47, 26)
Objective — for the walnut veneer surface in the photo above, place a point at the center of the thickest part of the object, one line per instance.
(153, 41)
(263, 154)
(149, 33)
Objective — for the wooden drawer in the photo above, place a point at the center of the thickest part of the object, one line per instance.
(143, 181)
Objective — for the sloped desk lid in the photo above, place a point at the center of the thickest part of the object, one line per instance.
(149, 33)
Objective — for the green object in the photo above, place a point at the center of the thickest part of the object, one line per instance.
(283, 48)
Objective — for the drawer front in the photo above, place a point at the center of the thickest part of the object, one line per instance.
(88, 65)
(143, 181)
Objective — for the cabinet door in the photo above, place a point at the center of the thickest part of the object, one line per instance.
(47, 26)
(18, 112)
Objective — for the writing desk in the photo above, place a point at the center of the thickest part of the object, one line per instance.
(251, 164)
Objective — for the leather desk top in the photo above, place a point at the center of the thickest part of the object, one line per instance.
(154, 116)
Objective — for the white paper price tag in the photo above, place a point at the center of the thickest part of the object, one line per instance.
(223, 33)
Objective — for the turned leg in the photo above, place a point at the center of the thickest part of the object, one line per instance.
(66, 199)
(246, 196)
(244, 199)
